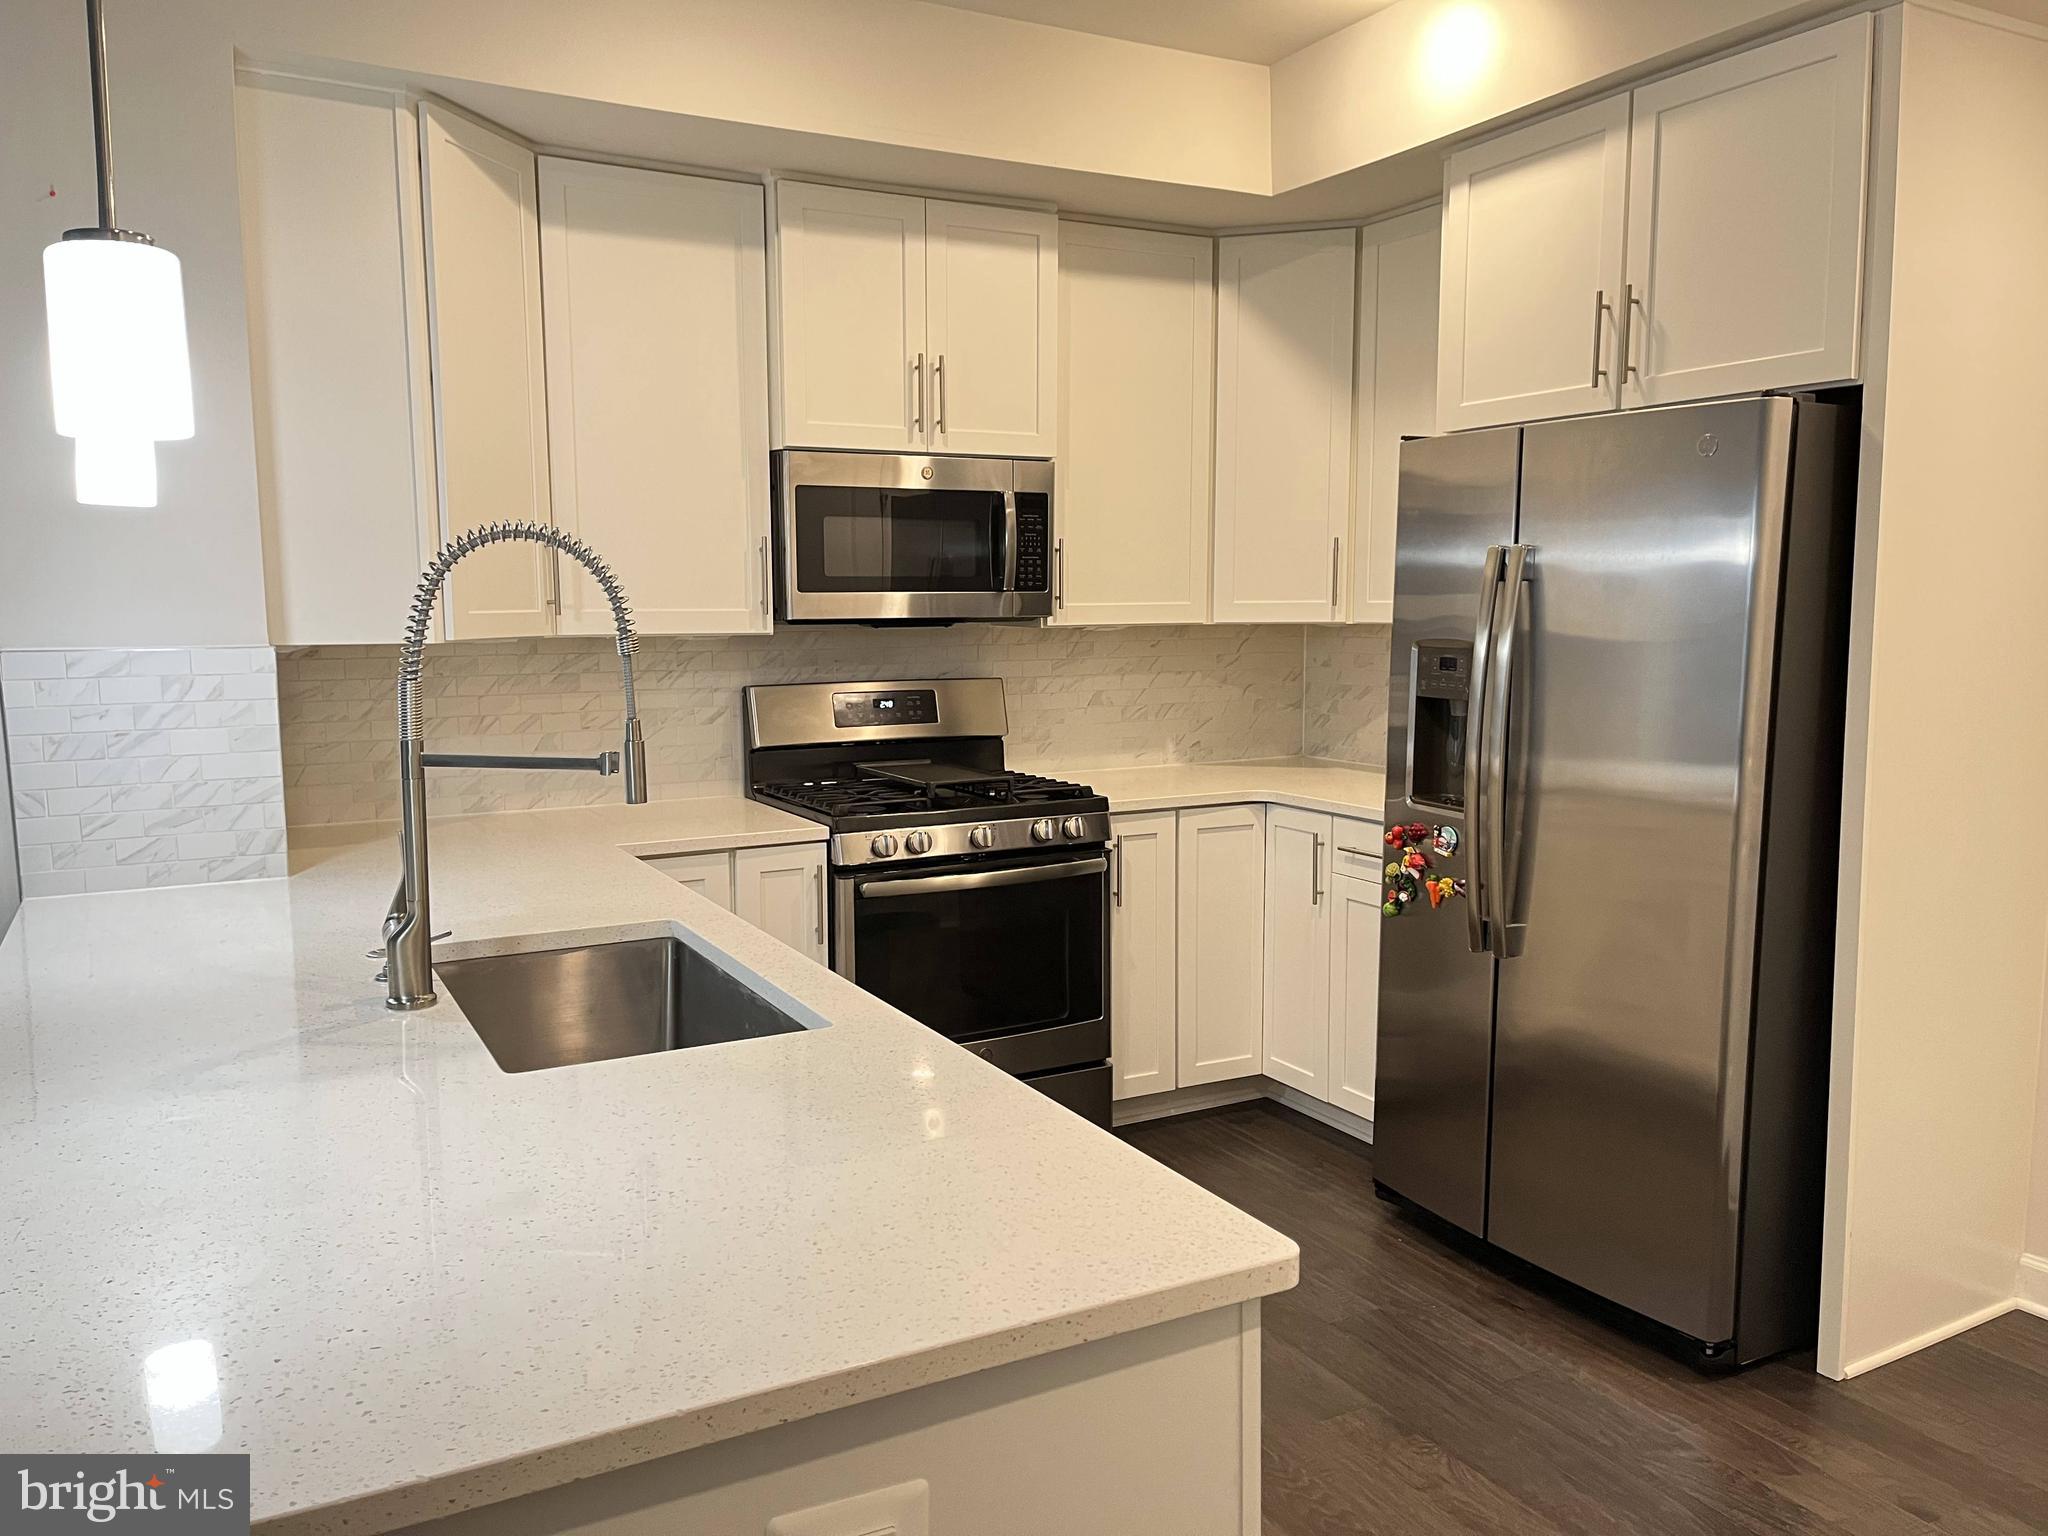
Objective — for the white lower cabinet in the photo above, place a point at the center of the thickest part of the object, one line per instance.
(782, 891)
(1222, 891)
(1354, 917)
(1144, 950)
(779, 890)
(1297, 1001)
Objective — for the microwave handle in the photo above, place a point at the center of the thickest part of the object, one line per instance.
(1009, 581)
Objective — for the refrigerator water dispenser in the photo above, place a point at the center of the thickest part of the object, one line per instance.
(1439, 689)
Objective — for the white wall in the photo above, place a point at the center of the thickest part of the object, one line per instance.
(1945, 916)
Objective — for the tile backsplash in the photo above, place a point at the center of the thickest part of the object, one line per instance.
(141, 768)
(1344, 692)
(1078, 698)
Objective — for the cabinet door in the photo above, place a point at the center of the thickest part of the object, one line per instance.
(1355, 918)
(1745, 223)
(708, 874)
(782, 891)
(992, 328)
(1532, 270)
(1143, 953)
(490, 403)
(849, 319)
(1137, 353)
(1283, 423)
(655, 290)
(344, 454)
(1297, 997)
(1396, 388)
(1222, 922)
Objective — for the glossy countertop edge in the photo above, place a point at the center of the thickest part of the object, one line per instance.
(540, 1469)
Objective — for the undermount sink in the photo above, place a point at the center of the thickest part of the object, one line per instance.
(594, 1002)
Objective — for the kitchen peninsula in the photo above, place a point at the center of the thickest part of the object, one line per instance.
(725, 1284)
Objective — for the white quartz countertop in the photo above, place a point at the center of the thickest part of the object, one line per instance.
(248, 1209)
(1308, 783)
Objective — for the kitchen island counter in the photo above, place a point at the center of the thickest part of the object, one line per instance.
(250, 1209)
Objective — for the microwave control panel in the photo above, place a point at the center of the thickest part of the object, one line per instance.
(897, 706)
(1034, 538)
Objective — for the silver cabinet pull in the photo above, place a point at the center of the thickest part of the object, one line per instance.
(1116, 871)
(1059, 573)
(1315, 869)
(917, 396)
(1336, 567)
(1499, 897)
(818, 880)
(1601, 310)
(1631, 306)
(555, 582)
(767, 581)
(939, 396)
(1482, 673)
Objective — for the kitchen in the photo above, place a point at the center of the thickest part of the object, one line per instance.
(707, 306)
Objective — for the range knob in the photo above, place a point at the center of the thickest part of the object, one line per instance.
(982, 837)
(882, 844)
(1044, 830)
(918, 842)
(1073, 827)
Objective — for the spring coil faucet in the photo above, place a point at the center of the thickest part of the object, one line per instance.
(408, 925)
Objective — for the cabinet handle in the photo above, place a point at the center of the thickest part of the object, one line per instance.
(818, 880)
(767, 581)
(555, 582)
(1601, 309)
(1631, 305)
(917, 395)
(1356, 853)
(1116, 876)
(1059, 573)
(939, 396)
(1336, 567)
(1315, 869)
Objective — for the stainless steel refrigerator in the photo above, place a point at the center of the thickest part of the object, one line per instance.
(1618, 667)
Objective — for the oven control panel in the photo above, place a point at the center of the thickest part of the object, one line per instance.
(896, 706)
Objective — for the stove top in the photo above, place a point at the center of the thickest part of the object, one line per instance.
(870, 793)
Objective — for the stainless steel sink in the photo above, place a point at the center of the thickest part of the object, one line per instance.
(556, 1007)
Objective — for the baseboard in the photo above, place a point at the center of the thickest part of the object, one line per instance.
(1242, 1090)
(2032, 1291)
(1932, 1336)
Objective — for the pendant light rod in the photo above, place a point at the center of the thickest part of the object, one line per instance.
(102, 128)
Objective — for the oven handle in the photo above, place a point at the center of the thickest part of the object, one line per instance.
(980, 879)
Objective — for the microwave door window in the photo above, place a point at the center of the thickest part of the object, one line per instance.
(866, 539)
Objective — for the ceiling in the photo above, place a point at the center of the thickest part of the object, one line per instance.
(1257, 31)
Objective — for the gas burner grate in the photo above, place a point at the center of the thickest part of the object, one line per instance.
(868, 795)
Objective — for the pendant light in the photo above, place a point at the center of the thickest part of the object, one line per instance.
(120, 375)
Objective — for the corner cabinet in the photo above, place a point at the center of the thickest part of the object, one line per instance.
(654, 290)
(1137, 389)
(1355, 895)
(1297, 1001)
(913, 324)
(1700, 236)
(1284, 306)
(1222, 914)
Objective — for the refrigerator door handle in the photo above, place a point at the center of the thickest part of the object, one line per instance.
(1475, 718)
(1501, 677)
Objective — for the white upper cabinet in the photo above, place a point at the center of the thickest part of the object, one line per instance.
(1396, 394)
(1532, 270)
(850, 317)
(337, 296)
(1745, 225)
(991, 328)
(1284, 306)
(490, 403)
(914, 325)
(1137, 350)
(655, 290)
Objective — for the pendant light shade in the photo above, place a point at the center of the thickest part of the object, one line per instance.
(120, 371)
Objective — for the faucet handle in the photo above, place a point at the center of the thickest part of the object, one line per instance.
(378, 952)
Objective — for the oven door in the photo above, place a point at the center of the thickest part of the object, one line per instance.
(876, 536)
(1010, 959)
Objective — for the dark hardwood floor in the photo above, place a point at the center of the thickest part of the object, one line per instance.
(1412, 1390)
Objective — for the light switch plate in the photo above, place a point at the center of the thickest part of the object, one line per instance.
(904, 1510)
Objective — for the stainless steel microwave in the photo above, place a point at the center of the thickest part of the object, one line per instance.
(882, 538)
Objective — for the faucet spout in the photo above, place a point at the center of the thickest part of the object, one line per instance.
(408, 926)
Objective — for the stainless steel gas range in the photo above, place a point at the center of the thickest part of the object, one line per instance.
(973, 897)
